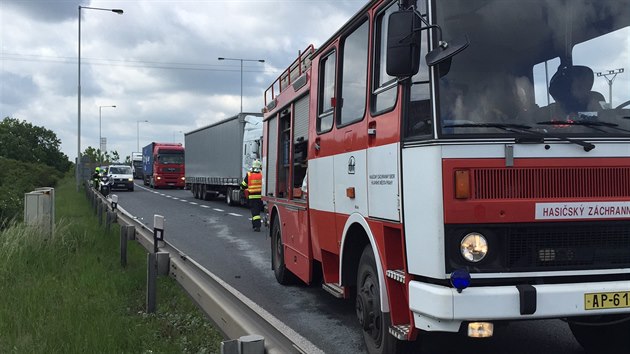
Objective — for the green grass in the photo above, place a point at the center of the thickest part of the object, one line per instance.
(69, 294)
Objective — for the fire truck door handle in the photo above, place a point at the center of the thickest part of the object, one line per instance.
(372, 129)
(317, 146)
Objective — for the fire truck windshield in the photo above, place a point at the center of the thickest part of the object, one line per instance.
(555, 67)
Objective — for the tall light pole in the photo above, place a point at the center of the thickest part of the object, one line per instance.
(78, 164)
(610, 81)
(242, 60)
(100, 138)
(138, 130)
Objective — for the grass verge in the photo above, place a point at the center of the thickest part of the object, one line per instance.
(69, 294)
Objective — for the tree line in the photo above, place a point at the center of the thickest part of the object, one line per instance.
(30, 157)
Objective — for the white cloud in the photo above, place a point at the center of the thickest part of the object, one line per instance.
(156, 62)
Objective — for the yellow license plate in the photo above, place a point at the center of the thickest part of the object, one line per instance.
(600, 301)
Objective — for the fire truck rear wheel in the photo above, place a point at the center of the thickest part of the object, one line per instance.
(277, 254)
(599, 337)
(375, 324)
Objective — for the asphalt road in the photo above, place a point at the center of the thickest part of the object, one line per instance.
(220, 238)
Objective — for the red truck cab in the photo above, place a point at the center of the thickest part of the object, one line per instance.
(163, 165)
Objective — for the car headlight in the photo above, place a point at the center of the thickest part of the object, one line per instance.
(474, 247)
(130, 179)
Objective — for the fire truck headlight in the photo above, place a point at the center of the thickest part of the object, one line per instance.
(474, 247)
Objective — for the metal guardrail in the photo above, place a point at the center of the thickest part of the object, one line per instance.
(232, 312)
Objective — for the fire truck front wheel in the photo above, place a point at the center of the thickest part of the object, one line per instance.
(277, 254)
(602, 335)
(375, 323)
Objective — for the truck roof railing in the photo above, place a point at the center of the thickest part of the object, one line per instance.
(288, 76)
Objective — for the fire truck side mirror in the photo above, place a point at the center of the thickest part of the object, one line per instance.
(446, 51)
(403, 44)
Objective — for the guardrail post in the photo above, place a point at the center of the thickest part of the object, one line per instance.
(125, 230)
(251, 344)
(108, 219)
(95, 200)
(151, 282)
(99, 212)
(230, 346)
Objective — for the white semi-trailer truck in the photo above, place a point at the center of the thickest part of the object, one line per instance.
(219, 155)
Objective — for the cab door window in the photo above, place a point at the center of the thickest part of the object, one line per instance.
(326, 104)
(354, 51)
(385, 91)
(419, 121)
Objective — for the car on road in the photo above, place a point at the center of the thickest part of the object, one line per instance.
(121, 177)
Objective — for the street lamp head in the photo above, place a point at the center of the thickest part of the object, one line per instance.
(118, 11)
(221, 58)
(261, 60)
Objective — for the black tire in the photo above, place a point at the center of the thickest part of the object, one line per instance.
(277, 255)
(374, 322)
(205, 193)
(228, 196)
(606, 338)
(194, 191)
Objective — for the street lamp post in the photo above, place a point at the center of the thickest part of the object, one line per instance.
(78, 164)
(242, 60)
(610, 81)
(100, 138)
(138, 132)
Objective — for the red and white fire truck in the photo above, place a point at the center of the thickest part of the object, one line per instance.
(452, 165)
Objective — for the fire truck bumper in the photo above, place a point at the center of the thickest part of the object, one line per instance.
(439, 308)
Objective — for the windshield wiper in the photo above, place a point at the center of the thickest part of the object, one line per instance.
(521, 128)
(594, 125)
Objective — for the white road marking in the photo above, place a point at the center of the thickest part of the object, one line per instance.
(234, 214)
(205, 206)
(219, 210)
(193, 203)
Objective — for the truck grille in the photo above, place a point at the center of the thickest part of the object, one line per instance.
(549, 183)
(568, 247)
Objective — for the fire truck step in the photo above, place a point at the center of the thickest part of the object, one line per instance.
(334, 289)
(397, 274)
(401, 332)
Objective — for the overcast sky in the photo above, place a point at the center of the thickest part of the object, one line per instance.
(156, 62)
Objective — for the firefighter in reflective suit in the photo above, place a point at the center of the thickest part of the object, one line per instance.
(253, 184)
